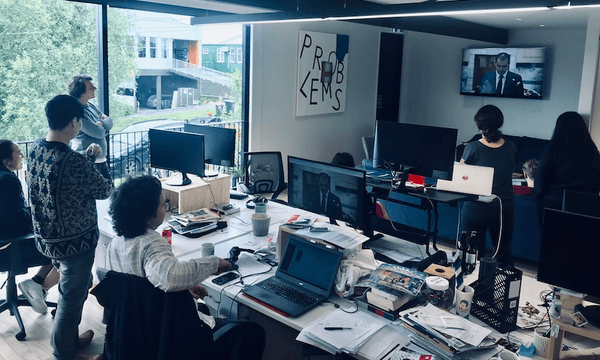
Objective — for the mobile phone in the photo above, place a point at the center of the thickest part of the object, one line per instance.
(225, 278)
(268, 261)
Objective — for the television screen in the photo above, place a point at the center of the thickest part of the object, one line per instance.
(178, 151)
(503, 72)
(427, 150)
(343, 188)
(566, 256)
(219, 143)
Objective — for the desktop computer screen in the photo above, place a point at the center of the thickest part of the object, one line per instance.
(219, 143)
(178, 151)
(426, 150)
(567, 256)
(335, 191)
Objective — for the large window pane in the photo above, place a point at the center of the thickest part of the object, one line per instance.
(152, 47)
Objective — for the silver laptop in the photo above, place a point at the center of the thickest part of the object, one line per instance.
(304, 278)
(469, 179)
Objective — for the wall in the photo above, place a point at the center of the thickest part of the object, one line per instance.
(431, 82)
(273, 123)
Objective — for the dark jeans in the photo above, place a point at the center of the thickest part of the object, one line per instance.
(483, 217)
(103, 168)
(246, 341)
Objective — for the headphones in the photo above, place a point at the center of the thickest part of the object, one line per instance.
(234, 254)
(257, 200)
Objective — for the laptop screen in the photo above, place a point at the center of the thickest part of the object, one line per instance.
(311, 263)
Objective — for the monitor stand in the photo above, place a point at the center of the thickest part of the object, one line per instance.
(210, 173)
(185, 180)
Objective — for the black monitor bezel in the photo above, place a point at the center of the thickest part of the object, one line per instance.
(210, 145)
(177, 144)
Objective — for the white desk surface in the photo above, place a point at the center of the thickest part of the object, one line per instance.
(239, 233)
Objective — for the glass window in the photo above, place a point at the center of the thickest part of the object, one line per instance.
(205, 51)
(163, 46)
(142, 47)
(239, 55)
(220, 55)
(152, 47)
(231, 55)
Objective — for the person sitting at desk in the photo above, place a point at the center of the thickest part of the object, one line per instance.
(323, 201)
(137, 209)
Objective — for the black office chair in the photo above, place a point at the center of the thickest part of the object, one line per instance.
(264, 174)
(581, 203)
(13, 261)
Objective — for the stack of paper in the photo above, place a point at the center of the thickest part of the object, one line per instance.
(342, 332)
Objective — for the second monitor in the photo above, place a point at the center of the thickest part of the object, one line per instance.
(219, 143)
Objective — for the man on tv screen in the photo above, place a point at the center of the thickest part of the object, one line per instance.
(323, 201)
(501, 81)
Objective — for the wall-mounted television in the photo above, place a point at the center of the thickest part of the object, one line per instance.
(504, 72)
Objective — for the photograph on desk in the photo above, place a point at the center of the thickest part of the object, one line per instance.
(399, 278)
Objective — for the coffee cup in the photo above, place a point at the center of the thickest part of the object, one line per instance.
(208, 249)
(464, 299)
(261, 223)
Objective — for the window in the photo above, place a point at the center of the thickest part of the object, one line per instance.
(231, 55)
(204, 51)
(142, 47)
(220, 55)
(163, 46)
(152, 47)
(239, 55)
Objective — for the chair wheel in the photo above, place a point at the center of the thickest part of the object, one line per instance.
(21, 335)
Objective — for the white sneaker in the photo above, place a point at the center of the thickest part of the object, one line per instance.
(34, 294)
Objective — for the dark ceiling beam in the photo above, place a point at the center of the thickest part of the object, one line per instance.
(149, 6)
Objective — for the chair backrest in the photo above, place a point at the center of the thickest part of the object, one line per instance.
(581, 203)
(18, 253)
(264, 173)
(368, 144)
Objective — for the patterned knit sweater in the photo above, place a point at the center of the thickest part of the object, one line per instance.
(63, 187)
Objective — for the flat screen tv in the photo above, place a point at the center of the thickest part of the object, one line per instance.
(219, 143)
(522, 71)
(178, 151)
(343, 187)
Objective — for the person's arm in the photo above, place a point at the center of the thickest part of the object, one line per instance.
(544, 175)
(106, 121)
(94, 185)
(13, 213)
(89, 123)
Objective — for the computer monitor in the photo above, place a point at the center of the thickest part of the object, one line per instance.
(423, 150)
(581, 203)
(178, 151)
(344, 190)
(567, 256)
(219, 143)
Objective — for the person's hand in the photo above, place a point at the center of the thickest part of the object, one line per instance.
(93, 150)
(103, 116)
(224, 265)
(99, 123)
(198, 292)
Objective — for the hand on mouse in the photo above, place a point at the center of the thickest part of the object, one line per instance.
(224, 265)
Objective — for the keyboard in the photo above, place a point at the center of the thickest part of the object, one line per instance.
(237, 195)
(288, 292)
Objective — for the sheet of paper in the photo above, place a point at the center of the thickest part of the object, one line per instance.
(471, 333)
(249, 265)
(336, 235)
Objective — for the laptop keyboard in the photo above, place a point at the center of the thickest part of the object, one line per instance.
(288, 292)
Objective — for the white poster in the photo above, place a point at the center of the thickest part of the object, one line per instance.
(322, 73)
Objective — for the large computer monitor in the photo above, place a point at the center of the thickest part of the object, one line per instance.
(567, 256)
(219, 143)
(178, 151)
(344, 189)
(423, 150)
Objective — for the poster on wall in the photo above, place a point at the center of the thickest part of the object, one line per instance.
(322, 73)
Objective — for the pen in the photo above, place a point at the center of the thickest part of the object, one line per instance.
(337, 328)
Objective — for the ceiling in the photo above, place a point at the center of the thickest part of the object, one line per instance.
(450, 17)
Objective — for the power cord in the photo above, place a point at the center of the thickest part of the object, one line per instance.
(337, 306)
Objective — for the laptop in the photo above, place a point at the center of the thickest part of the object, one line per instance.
(307, 270)
(469, 179)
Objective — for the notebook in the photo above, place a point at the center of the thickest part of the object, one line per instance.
(307, 268)
(469, 179)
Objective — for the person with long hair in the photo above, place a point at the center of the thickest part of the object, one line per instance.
(571, 161)
(15, 220)
(497, 216)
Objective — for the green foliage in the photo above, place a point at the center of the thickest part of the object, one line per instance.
(43, 43)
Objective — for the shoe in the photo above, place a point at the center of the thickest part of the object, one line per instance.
(34, 294)
(89, 357)
(84, 340)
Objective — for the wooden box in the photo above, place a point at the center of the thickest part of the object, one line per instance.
(201, 193)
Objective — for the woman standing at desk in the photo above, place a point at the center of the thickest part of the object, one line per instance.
(570, 162)
(492, 151)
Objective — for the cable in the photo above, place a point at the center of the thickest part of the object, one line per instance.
(337, 306)
(500, 230)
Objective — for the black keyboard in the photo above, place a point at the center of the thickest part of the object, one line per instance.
(288, 292)
(237, 195)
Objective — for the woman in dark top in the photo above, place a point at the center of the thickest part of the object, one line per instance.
(15, 220)
(570, 161)
(492, 151)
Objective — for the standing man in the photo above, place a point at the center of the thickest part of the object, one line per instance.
(501, 81)
(94, 125)
(64, 186)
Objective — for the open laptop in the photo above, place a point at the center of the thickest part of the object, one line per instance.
(306, 268)
(469, 179)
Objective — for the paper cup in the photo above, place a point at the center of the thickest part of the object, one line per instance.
(464, 298)
(260, 208)
(208, 249)
(260, 224)
(541, 343)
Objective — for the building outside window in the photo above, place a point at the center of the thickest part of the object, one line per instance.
(165, 51)
(239, 55)
(231, 55)
(152, 47)
(142, 47)
(220, 55)
(205, 51)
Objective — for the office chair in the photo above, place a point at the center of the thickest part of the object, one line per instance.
(264, 174)
(368, 145)
(12, 261)
(581, 203)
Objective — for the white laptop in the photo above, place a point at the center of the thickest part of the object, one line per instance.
(469, 179)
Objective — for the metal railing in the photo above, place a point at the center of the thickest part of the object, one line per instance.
(201, 72)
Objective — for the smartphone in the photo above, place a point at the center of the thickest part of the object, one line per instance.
(225, 278)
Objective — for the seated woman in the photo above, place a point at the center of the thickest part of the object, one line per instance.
(15, 220)
(137, 209)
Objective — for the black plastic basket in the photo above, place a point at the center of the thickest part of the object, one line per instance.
(496, 299)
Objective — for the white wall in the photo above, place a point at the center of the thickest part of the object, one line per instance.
(273, 123)
(431, 81)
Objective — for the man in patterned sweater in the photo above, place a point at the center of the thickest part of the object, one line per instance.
(64, 186)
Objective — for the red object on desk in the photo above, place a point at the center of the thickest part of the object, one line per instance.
(266, 305)
(522, 190)
(416, 179)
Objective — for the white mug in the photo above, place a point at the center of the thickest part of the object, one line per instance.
(208, 249)
(507, 355)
